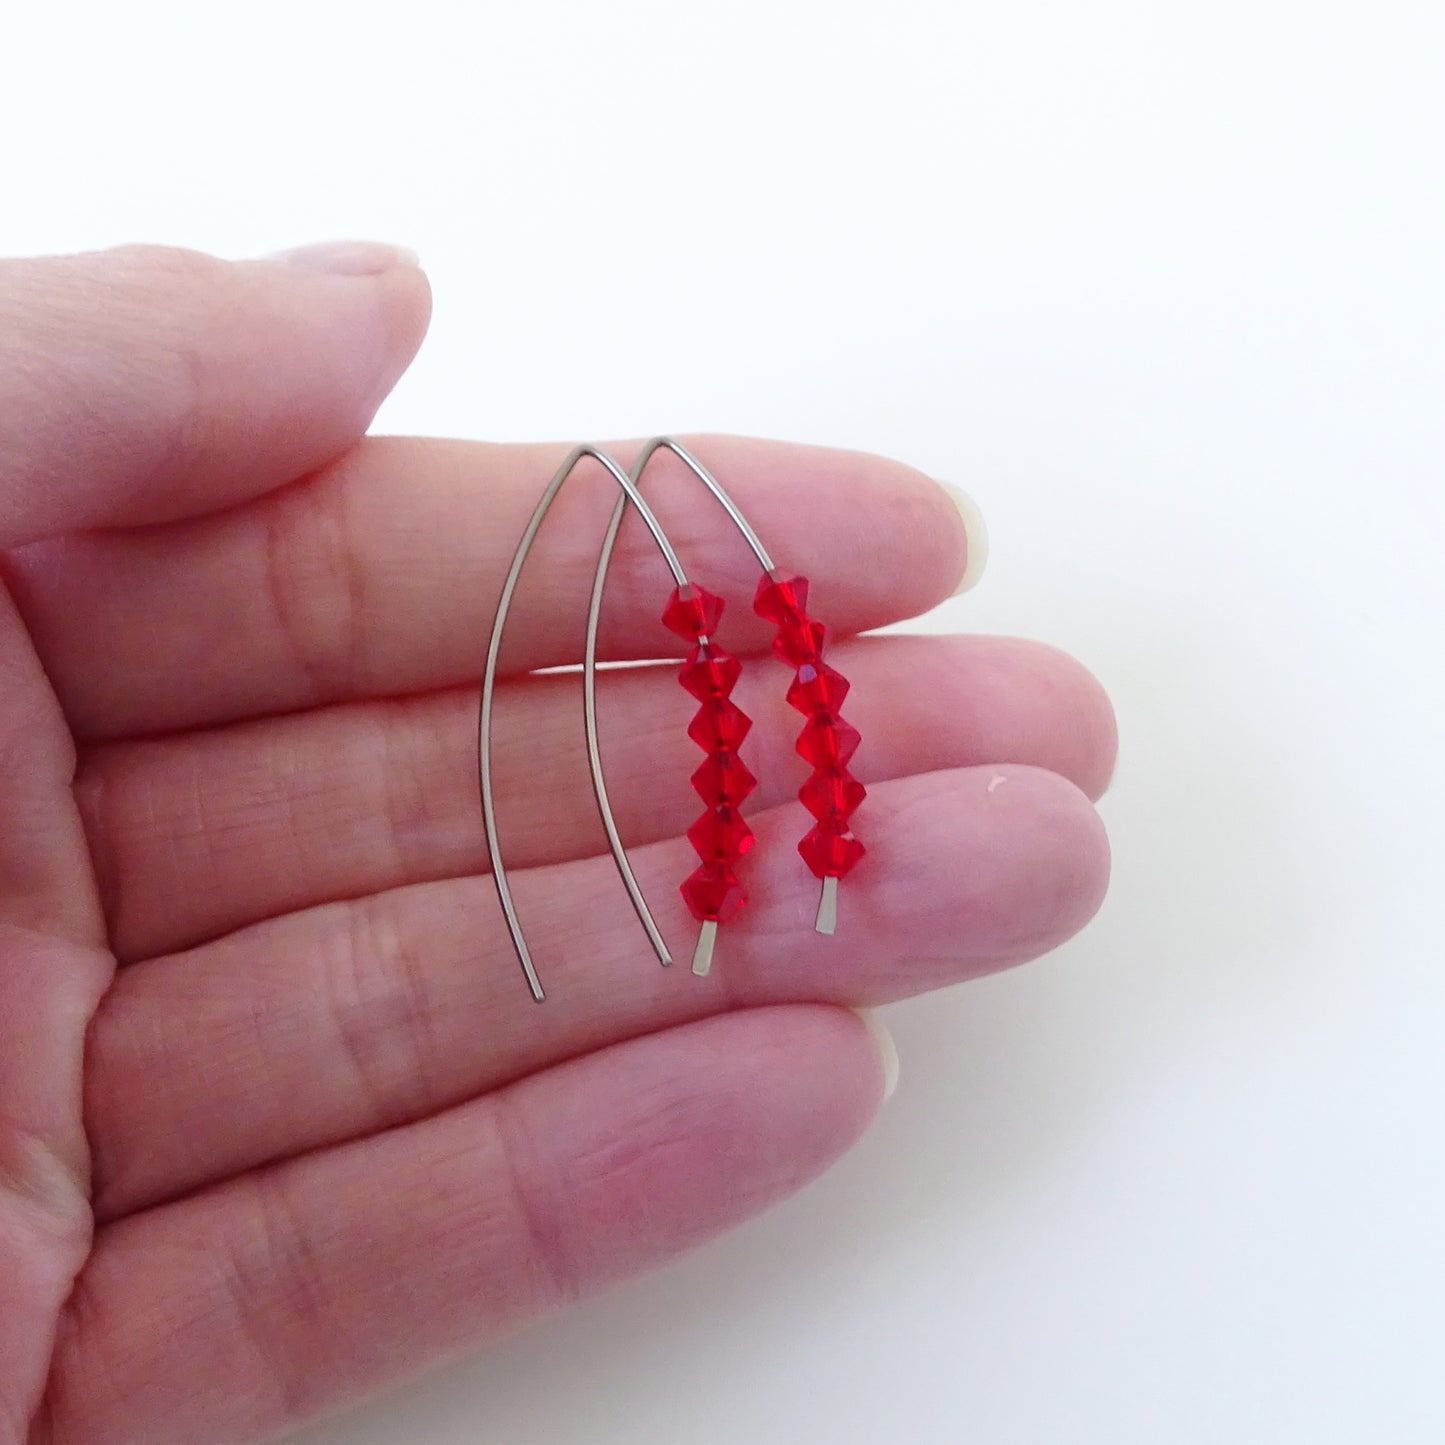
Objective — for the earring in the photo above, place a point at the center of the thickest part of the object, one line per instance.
(832, 795)
(721, 838)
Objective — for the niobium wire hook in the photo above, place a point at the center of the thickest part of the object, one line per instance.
(489, 680)
(702, 957)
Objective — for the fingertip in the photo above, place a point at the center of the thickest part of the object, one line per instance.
(1054, 688)
(1056, 870)
(404, 307)
(887, 1047)
(348, 258)
(974, 870)
(1098, 726)
(150, 383)
(371, 295)
(975, 537)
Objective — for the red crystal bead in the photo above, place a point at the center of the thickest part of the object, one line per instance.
(799, 643)
(830, 850)
(723, 778)
(832, 795)
(720, 835)
(692, 612)
(782, 598)
(709, 672)
(827, 741)
(719, 726)
(818, 688)
(713, 892)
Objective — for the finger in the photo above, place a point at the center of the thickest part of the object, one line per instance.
(203, 832)
(287, 1293)
(381, 576)
(146, 383)
(361, 1015)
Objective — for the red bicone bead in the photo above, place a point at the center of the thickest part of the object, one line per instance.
(714, 892)
(709, 672)
(832, 795)
(692, 612)
(723, 778)
(782, 598)
(827, 741)
(818, 688)
(720, 835)
(719, 726)
(830, 850)
(799, 643)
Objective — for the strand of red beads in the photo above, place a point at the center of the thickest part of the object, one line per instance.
(713, 892)
(832, 794)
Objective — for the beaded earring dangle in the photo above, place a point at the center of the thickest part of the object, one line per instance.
(832, 794)
(713, 892)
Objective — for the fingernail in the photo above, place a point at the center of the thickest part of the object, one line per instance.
(348, 258)
(887, 1049)
(976, 532)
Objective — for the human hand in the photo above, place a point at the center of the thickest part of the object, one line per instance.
(279, 1120)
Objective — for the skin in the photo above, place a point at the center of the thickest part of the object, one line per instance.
(279, 1121)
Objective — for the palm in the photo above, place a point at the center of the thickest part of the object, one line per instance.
(326, 1136)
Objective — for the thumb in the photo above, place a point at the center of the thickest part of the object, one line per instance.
(146, 383)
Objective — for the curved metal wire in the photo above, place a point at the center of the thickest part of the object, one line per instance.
(489, 680)
(702, 957)
(706, 478)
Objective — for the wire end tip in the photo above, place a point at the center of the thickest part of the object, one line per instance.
(702, 955)
(828, 907)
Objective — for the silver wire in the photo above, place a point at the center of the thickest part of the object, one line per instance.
(489, 681)
(828, 906)
(594, 763)
(702, 954)
(709, 481)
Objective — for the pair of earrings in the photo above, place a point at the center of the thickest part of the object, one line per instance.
(713, 892)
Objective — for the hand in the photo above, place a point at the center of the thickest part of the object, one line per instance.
(279, 1119)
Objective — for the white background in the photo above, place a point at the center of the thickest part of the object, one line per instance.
(1162, 285)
